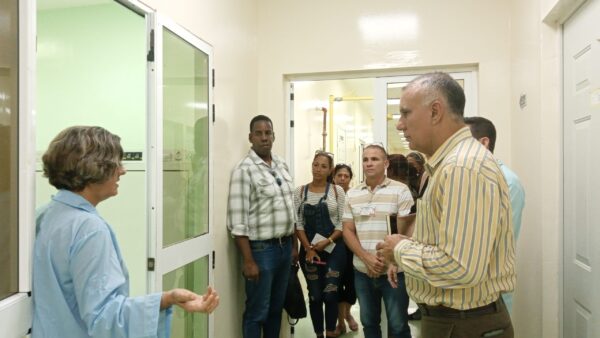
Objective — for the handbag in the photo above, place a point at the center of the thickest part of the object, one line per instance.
(294, 303)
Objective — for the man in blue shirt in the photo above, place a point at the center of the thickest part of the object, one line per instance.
(484, 131)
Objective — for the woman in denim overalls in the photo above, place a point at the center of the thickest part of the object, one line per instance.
(322, 255)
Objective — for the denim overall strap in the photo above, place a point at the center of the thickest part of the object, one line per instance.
(316, 217)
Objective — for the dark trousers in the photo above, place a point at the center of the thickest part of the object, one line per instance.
(323, 283)
(495, 324)
(347, 290)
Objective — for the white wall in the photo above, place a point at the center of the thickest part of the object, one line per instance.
(325, 36)
(230, 27)
(537, 157)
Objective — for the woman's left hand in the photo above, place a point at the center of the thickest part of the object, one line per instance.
(320, 246)
(205, 303)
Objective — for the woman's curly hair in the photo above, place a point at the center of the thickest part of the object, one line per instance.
(82, 155)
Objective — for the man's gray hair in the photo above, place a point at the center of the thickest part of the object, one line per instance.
(438, 83)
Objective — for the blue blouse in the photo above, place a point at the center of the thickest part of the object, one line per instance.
(80, 282)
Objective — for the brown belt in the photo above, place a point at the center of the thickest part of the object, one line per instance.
(443, 311)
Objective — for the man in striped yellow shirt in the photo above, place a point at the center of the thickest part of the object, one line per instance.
(461, 256)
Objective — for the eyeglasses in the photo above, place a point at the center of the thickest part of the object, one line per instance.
(376, 145)
(326, 153)
(277, 178)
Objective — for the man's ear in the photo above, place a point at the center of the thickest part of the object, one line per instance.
(485, 141)
(436, 111)
(273, 135)
(250, 137)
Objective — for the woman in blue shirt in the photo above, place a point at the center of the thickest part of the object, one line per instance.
(80, 282)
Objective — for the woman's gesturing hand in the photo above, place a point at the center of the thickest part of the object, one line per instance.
(190, 301)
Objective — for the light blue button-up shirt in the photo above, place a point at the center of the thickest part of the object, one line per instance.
(80, 282)
(517, 203)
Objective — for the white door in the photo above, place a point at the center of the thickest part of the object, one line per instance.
(581, 91)
(387, 107)
(180, 172)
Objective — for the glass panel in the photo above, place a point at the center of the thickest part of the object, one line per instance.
(396, 143)
(98, 81)
(193, 276)
(185, 128)
(9, 81)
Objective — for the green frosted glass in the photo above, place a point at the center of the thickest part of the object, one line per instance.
(9, 112)
(185, 139)
(193, 276)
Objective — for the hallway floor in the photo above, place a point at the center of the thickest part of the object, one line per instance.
(304, 327)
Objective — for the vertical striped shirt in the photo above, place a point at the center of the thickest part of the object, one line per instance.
(462, 252)
(261, 204)
(390, 197)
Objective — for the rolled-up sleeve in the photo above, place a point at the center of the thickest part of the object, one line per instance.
(238, 207)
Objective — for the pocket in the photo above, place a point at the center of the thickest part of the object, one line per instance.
(435, 328)
(265, 187)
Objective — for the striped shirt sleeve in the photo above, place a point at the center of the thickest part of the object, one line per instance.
(470, 205)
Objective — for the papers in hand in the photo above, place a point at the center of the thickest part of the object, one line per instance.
(318, 237)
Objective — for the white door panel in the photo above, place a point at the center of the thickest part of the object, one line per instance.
(581, 56)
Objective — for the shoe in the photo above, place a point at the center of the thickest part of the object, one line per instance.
(415, 315)
(352, 324)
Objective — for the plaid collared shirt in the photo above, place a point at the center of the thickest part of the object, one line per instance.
(462, 254)
(261, 204)
(390, 197)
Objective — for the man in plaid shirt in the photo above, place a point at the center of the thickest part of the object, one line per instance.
(261, 218)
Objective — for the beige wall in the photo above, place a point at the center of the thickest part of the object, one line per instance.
(537, 157)
(230, 27)
(326, 36)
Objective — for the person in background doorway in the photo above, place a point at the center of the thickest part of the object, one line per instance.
(484, 131)
(80, 282)
(320, 206)
(342, 176)
(261, 218)
(461, 256)
(365, 224)
(418, 176)
(399, 169)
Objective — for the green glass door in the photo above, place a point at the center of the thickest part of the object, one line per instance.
(180, 137)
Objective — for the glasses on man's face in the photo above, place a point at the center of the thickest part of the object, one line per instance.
(277, 178)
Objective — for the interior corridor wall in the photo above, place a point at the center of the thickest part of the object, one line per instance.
(230, 26)
(340, 35)
(537, 157)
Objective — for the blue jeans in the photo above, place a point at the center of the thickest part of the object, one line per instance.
(370, 291)
(265, 297)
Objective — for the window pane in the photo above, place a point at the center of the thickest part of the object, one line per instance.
(9, 72)
(193, 276)
(185, 128)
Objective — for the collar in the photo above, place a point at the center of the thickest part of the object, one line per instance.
(385, 183)
(74, 200)
(459, 136)
(258, 161)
